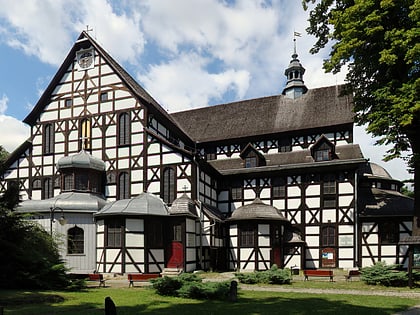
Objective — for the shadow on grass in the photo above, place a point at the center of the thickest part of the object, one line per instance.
(294, 304)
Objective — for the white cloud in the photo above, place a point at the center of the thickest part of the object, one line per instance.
(185, 83)
(17, 132)
(46, 29)
(375, 153)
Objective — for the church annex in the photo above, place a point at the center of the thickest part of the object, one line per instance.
(127, 187)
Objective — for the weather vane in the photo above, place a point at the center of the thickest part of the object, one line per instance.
(88, 29)
(295, 34)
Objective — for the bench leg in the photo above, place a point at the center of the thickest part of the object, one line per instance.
(306, 278)
(131, 284)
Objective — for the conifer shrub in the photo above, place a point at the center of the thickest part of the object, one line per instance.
(191, 286)
(272, 276)
(383, 274)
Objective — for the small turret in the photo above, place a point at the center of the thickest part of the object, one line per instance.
(295, 86)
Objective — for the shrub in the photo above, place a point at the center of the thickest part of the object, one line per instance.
(383, 274)
(272, 276)
(167, 285)
(191, 286)
(207, 290)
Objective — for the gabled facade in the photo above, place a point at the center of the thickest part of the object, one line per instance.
(245, 185)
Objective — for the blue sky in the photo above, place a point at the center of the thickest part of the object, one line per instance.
(186, 53)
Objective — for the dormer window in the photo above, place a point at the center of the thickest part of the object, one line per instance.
(323, 150)
(251, 157)
(250, 161)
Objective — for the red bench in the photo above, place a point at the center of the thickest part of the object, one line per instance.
(140, 277)
(318, 273)
(351, 274)
(97, 277)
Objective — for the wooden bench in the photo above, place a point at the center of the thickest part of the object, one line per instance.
(318, 273)
(351, 274)
(140, 277)
(97, 277)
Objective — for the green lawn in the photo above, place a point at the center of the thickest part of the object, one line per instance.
(145, 301)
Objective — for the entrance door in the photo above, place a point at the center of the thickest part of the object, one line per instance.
(175, 255)
(175, 250)
(277, 256)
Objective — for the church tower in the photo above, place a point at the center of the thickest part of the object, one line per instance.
(295, 86)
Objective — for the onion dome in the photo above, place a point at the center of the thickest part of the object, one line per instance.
(257, 210)
(81, 160)
(183, 205)
(143, 204)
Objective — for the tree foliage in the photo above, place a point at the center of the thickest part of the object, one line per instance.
(379, 40)
(30, 258)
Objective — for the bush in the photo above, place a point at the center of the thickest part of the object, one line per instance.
(272, 276)
(167, 285)
(383, 274)
(207, 290)
(191, 286)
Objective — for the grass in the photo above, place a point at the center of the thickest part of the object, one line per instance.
(145, 301)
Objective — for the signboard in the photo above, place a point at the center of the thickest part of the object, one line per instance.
(328, 257)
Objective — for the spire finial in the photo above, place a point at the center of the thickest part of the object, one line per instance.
(295, 34)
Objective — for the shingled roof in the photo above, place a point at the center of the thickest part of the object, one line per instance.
(348, 154)
(267, 115)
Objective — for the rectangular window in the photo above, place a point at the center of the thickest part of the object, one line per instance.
(328, 236)
(114, 233)
(279, 191)
(251, 162)
(247, 237)
(104, 97)
(389, 233)
(236, 193)
(68, 182)
(329, 202)
(154, 234)
(329, 187)
(68, 102)
(322, 155)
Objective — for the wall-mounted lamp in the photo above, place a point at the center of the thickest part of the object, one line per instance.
(62, 220)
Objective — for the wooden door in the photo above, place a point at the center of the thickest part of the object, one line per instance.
(175, 255)
(175, 250)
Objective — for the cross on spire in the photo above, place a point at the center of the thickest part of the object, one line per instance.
(88, 29)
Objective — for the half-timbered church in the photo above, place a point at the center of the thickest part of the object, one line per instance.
(126, 187)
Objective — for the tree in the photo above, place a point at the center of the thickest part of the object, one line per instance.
(379, 41)
(30, 258)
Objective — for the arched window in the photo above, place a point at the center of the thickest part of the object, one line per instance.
(124, 133)
(48, 144)
(168, 185)
(85, 134)
(47, 189)
(123, 186)
(75, 241)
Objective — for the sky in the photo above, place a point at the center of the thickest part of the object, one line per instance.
(185, 53)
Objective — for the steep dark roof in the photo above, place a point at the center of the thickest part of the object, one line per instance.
(346, 154)
(317, 108)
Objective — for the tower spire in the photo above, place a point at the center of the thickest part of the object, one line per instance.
(295, 86)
